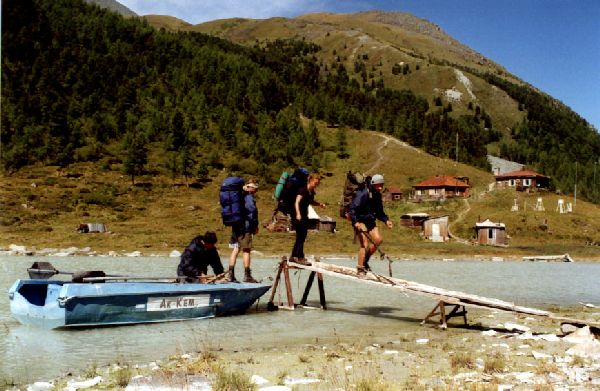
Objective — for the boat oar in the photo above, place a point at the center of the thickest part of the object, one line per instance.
(382, 255)
(43, 271)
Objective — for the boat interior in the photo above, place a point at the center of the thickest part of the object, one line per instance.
(35, 292)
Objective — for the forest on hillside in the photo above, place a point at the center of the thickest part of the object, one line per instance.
(80, 83)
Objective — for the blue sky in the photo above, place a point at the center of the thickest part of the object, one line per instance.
(552, 44)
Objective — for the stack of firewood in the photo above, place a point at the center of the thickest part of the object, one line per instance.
(281, 222)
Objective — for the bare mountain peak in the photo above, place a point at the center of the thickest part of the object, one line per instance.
(113, 5)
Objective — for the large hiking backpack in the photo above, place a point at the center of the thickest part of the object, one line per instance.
(280, 185)
(231, 197)
(288, 194)
(354, 182)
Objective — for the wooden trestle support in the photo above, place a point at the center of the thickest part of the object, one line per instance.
(446, 298)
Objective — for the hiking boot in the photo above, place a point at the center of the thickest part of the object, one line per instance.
(361, 272)
(248, 276)
(366, 265)
(231, 275)
(301, 261)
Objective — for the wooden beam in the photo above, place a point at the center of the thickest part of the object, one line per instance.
(443, 295)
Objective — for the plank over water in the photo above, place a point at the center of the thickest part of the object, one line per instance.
(447, 296)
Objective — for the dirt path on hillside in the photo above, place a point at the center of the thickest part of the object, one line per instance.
(389, 139)
(386, 140)
(458, 218)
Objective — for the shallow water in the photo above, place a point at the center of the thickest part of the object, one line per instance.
(354, 310)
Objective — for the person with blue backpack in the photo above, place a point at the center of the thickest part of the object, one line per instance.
(364, 210)
(239, 211)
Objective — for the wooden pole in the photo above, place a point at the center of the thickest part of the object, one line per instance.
(309, 283)
(321, 291)
(270, 304)
(288, 284)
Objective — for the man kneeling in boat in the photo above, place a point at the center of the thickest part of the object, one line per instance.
(197, 256)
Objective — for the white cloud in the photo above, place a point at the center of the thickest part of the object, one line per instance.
(198, 11)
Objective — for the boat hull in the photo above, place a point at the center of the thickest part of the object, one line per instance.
(55, 304)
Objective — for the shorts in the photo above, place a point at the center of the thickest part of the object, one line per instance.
(369, 223)
(240, 238)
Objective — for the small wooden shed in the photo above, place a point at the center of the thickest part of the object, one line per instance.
(413, 220)
(436, 229)
(490, 233)
(392, 194)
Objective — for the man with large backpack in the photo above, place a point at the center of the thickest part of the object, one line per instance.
(364, 210)
(238, 210)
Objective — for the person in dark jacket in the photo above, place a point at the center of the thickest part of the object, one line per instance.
(242, 233)
(304, 198)
(366, 208)
(198, 255)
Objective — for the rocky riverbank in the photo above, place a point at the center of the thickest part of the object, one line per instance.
(499, 352)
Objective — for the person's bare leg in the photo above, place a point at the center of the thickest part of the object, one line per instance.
(362, 251)
(377, 240)
(233, 256)
(246, 257)
(232, 261)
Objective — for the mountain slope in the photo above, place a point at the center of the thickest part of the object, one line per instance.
(405, 52)
(113, 5)
(82, 84)
(382, 40)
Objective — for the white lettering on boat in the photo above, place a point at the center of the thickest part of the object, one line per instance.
(177, 302)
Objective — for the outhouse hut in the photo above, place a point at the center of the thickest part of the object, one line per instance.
(490, 233)
(436, 229)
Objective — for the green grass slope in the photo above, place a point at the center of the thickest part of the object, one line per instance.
(382, 40)
(42, 207)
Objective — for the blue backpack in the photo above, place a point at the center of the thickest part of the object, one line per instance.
(231, 197)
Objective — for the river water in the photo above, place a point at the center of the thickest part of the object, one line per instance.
(29, 354)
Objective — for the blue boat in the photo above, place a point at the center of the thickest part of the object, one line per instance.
(62, 304)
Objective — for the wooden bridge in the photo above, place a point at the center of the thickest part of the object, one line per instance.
(458, 301)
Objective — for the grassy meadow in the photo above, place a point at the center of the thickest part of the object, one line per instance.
(42, 207)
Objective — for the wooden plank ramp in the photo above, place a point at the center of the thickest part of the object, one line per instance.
(456, 299)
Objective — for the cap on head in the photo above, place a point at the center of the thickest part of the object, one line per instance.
(377, 179)
(210, 237)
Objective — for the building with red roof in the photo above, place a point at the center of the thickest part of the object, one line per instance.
(441, 187)
(522, 180)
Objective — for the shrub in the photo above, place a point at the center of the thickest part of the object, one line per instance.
(461, 360)
(494, 364)
(230, 381)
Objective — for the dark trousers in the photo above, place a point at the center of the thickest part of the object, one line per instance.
(301, 228)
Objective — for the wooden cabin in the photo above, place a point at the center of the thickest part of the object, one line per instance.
(490, 233)
(436, 229)
(522, 180)
(439, 188)
(392, 194)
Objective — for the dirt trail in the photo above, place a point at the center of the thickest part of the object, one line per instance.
(387, 139)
